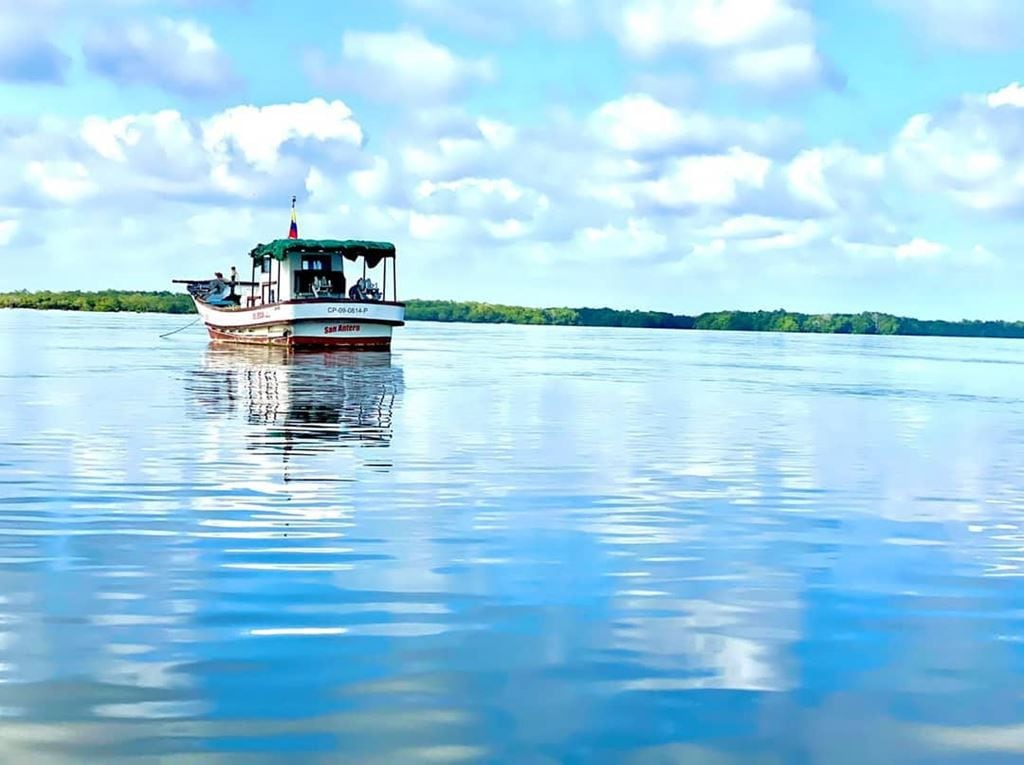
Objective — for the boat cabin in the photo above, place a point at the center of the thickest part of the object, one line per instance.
(314, 269)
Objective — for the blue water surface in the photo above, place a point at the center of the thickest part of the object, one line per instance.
(509, 544)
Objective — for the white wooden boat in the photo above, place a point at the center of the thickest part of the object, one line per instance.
(300, 295)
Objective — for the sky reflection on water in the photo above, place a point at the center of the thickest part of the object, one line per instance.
(509, 544)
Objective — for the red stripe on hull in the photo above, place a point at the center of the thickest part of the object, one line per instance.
(354, 343)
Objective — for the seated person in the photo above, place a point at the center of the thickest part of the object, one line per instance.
(218, 293)
(364, 289)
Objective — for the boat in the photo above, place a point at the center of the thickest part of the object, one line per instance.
(299, 296)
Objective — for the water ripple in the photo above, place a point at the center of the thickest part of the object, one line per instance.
(508, 544)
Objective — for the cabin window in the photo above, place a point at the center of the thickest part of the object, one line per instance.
(316, 263)
(265, 266)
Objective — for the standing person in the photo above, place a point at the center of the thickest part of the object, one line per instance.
(233, 281)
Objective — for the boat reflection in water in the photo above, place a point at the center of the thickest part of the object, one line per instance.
(280, 401)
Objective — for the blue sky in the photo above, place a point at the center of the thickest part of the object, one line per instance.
(683, 155)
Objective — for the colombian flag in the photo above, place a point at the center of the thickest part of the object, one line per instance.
(293, 231)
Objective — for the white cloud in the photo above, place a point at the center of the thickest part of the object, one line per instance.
(973, 152)
(637, 238)
(915, 249)
(403, 67)
(8, 230)
(498, 134)
(834, 178)
(179, 56)
(463, 147)
(244, 151)
(63, 182)
(686, 191)
(260, 132)
(436, 227)
(651, 26)
(1011, 95)
(798, 64)
(504, 208)
(221, 227)
(638, 122)
(762, 43)
(982, 255)
(510, 228)
(503, 188)
(749, 234)
(713, 180)
(372, 182)
(113, 138)
(757, 233)
(919, 248)
(981, 25)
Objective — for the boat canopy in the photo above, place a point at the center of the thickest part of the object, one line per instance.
(279, 249)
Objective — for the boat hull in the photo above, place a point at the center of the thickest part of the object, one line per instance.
(321, 323)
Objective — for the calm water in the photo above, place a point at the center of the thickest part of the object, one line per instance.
(509, 544)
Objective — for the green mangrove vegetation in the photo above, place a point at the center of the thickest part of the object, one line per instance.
(106, 301)
(487, 313)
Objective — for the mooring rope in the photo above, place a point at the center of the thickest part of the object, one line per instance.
(168, 334)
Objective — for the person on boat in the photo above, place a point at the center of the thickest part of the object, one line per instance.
(364, 289)
(232, 282)
(218, 292)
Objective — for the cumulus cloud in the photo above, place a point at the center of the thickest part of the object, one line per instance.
(979, 25)
(177, 56)
(836, 178)
(503, 208)
(973, 152)
(61, 181)
(651, 26)
(758, 233)
(633, 181)
(242, 153)
(258, 133)
(797, 64)
(634, 164)
(636, 238)
(637, 122)
(767, 44)
(401, 67)
(371, 182)
(915, 249)
(709, 180)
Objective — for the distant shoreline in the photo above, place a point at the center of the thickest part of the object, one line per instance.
(868, 323)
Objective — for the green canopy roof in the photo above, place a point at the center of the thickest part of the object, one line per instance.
(279, 249)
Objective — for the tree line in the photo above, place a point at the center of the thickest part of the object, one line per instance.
(868, 323)
(105, 301)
